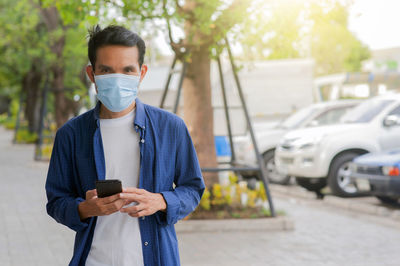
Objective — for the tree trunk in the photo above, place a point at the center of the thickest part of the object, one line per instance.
(198, 111)
(61, 102)
(31, 85)
(53, 22)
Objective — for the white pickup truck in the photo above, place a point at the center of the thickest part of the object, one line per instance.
(320, 156)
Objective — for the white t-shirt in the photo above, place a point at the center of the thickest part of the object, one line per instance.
(116, 239)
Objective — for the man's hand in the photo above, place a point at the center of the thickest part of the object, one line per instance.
(94, 206)
(147, 202)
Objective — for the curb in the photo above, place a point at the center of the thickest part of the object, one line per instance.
(235, 225)
(342, 203)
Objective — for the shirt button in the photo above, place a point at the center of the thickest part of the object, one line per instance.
(143, 218)
(136, 127)
(146, 243)
(142, 140)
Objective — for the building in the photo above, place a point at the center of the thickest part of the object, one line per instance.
(272, 89)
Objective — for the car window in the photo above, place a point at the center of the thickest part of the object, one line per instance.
(297, 118)
(330, 116)
(395, 111)
(366, 111)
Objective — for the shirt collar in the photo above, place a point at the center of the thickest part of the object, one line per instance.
(139, 117)
(140, 114)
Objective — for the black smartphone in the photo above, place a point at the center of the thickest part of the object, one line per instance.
(108, 187)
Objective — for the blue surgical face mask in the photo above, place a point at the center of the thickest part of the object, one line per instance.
(117, 91)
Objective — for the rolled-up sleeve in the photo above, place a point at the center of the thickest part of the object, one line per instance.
(189, 184)
(62, 202)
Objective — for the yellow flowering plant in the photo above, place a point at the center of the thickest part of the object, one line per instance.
(232, 200)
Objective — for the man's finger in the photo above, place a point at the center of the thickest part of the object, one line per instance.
(112, 198)
(136, 214)
(91, 194)
(139, 214)
(115, 205)
(134, 190)
(131, 197)
(133, 209)
(129, 202)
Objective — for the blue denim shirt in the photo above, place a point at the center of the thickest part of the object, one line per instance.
(167, 157)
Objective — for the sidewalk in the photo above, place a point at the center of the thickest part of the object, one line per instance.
(29, 236)
(322, 236)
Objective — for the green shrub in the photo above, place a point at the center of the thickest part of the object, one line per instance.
(205, 200)
(24, 136)
(9, 124)
(3, 118)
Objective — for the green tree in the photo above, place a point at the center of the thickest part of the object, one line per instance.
(66, 23)
(333, 46)
(292, 28)
(273, 30)
(45, 39)
(23, 50)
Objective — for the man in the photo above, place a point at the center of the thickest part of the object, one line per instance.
(148, 149)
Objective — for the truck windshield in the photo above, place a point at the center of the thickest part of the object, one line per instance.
(297, 118)
(366, 111)
(331, 116)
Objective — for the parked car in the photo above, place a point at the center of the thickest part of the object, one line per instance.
(320, 156)
(378, 173)
(268, 137)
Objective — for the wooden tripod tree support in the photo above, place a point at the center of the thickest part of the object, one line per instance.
(261, 168)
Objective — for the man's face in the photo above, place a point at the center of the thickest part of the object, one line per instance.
(117, 59)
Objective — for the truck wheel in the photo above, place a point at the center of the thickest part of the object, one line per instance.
(339, 180)
(388, 200)
(272, 174)
(311, 184)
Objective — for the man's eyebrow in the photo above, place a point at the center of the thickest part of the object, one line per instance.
(105, 67)
(130, 67)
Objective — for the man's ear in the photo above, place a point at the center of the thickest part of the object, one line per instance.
(90, 72)
(143, 72)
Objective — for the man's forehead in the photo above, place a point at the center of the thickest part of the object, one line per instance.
(111, 54)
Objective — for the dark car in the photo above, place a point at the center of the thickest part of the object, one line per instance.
(381, 171)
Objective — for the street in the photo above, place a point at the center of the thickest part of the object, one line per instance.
(323, 235)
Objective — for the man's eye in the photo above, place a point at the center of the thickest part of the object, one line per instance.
(104, 71)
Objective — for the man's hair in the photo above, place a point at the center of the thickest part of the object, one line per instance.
(113, 35)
